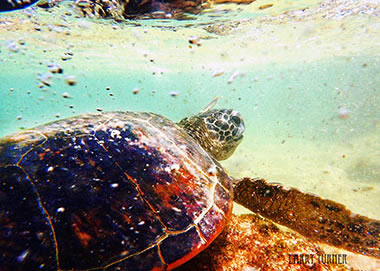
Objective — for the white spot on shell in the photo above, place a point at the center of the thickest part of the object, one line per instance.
(115, 133)
(114, 185)
(50, 169)
(183, 147)
(174, 167)
(141, 223)
(176, 209)
(60, 210)
(23, 255)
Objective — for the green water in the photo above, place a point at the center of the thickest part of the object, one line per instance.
(307, 83)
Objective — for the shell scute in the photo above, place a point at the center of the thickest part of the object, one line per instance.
(190, 243)
(209, 223)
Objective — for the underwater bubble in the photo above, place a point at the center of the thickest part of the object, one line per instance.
(344, 113)
(12, 46)
(136, 34)
(83, 24)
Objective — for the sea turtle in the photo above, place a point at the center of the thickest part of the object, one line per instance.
(126, 9)
(136, 191)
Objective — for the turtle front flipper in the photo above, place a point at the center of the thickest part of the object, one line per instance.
(319, 219)
(9, 5)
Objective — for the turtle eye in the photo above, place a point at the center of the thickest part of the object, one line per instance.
(236, 120)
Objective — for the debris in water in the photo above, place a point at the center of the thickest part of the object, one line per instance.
(21, 41)
(45, 79)
(217, 73)
(265, 6)
(54, 68)
(195, 40)
(233, 76)
(66, 56)
(174, 93)
(135, 91)
(71, 80)
(19, 117)
(66, 95)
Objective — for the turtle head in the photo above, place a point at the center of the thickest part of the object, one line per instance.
(218, 131)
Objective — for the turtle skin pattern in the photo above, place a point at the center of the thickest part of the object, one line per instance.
(114, 191)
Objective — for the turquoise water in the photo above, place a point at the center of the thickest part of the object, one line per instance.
(304, 74)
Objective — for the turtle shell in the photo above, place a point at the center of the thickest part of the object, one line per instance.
(117, 191)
